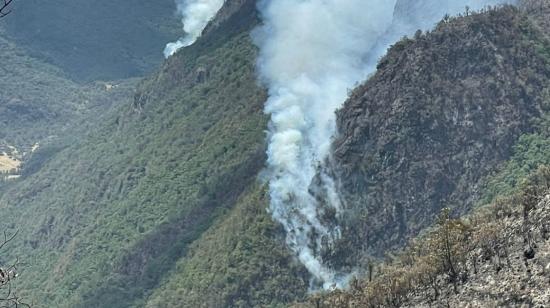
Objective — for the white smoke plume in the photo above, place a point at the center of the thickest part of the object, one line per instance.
(311, 53)
(195, 15)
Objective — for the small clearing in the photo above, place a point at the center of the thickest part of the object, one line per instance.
(8, 164)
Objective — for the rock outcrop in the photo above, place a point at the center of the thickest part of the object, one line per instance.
(442, 112)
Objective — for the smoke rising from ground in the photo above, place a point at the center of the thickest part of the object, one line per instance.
(311, 53)
(195, 15)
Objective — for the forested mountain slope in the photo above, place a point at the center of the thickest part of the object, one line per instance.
(93, 40)
(496, 255)
(40, 105)
(159, 203)
(106, 220)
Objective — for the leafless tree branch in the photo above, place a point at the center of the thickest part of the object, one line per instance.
(8, 297)
(4, 7)
(7, 239)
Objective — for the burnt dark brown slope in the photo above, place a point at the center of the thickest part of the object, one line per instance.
(442, 112)
(496, 256)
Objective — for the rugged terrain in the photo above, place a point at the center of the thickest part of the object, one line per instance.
(157, 202)
(496, 256)
(442, 113)
(159, 191)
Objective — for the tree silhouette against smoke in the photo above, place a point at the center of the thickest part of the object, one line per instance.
(4, 7)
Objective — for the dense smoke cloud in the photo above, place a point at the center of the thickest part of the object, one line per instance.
(311, 53)
(195, 17)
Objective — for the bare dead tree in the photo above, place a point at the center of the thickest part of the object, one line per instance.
(8, 296)
(4, 7)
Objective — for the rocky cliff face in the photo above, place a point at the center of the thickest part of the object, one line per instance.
(442, 112)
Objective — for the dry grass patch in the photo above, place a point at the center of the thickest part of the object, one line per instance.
(8, 164)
